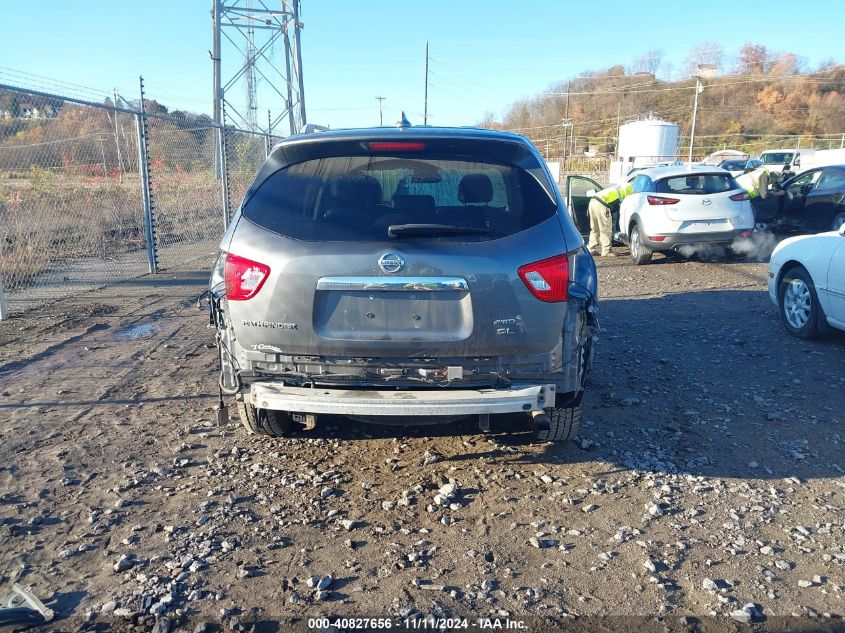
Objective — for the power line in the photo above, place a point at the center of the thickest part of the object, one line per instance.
(40, 81)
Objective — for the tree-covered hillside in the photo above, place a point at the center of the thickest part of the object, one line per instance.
(762, 100)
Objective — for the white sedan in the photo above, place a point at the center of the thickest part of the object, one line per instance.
(807, 282)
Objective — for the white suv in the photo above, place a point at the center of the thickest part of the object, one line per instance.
(683, 208)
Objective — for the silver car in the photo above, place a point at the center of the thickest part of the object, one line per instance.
(413, 275)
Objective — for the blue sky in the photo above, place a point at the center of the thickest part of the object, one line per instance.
(485, 53)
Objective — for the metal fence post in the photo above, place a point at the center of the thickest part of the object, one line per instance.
(4, 313)
(224, 174)
(144, 172)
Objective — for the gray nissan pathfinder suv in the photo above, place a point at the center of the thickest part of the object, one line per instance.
(412, 275)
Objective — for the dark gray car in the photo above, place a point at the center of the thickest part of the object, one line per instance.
(413, 275)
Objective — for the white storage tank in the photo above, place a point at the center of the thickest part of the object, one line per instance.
(648, 141)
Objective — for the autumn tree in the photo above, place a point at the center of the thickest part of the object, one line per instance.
(787, 65)
(752, 60)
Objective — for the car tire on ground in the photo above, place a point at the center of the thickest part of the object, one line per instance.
(798, 303)
(265, 421)
(639, 253)
(838, 221)
(565, 424)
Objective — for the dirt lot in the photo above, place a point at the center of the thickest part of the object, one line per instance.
(708, 479)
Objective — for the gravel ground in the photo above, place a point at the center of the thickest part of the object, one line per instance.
(706, 489)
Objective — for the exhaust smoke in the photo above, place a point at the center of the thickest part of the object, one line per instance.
(757, 248)
(702, 251)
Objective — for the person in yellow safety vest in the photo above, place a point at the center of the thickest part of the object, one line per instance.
(756, 182)
(600, 210)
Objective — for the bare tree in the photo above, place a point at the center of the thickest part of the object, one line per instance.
(650, 62)
(705, 53)
(488, 120)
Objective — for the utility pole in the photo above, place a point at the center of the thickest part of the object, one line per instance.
(567, 123)
(698, 89)
(425, 108)
(380, 113)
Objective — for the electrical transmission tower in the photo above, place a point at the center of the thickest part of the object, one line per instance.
(249, 64)
(252, 33)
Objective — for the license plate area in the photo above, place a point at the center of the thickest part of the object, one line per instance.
(356, 315)
(706, 226)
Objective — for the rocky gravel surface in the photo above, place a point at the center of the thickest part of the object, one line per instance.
(706, 488)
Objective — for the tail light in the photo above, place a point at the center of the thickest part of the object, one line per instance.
(243, 277)
(740, 196)
(746, 234)
(657, 238)
(658, 200)
(547, 279)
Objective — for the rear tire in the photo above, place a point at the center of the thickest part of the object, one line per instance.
(798, 303)
(265, 421)
(639, 253)
(565, 424)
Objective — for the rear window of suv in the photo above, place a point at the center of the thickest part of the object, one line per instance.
(358, 198)
(696, 184)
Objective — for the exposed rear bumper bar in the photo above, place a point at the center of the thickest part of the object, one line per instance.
(675, 241)
(271, 395)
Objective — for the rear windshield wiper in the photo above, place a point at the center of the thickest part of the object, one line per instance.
(395, 230)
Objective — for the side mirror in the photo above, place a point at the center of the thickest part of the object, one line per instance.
(591, 192)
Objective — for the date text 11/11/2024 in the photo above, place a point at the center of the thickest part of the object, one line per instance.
(417, 624)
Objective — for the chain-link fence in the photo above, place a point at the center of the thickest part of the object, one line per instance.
(245, 154)
(187, 194)
(91, 194)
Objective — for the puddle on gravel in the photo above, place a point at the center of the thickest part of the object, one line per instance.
(136, 331)
(145, 328)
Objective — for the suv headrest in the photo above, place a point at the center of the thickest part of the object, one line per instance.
(475, 188)
(413, 203)
(357, 188)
